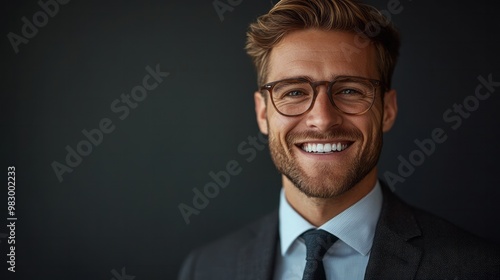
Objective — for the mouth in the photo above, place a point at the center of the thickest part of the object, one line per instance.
(324, 148)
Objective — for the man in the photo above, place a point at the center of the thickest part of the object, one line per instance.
(325, 68)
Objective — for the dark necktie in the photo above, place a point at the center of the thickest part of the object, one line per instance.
(318, 242)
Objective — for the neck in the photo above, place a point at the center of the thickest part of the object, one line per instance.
(318, 211)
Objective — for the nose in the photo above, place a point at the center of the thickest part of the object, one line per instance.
(323, 116)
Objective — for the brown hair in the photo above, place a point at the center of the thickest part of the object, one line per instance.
(344, 15)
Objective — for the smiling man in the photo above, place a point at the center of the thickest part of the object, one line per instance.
(325, 99)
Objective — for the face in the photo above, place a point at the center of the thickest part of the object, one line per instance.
(323, 55)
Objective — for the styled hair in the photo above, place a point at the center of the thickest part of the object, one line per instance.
(340, 15)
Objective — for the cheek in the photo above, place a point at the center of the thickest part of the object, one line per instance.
(373, 119)
(370, 126)
(278, 124)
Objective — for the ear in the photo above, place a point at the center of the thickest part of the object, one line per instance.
(390, 110)
(261, 112)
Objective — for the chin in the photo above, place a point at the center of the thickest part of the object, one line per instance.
(320, 187)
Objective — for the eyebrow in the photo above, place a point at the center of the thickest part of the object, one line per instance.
(309, 78)
(305, 77)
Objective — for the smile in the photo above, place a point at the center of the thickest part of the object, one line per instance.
(321, 148)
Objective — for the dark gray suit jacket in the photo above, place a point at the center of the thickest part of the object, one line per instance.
(409, 244)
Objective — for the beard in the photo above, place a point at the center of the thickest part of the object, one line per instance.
(336, 178)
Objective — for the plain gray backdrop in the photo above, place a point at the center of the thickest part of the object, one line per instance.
(117, 212)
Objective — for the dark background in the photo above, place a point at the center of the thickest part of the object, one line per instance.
(119, 207)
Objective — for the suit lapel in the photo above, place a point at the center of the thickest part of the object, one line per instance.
(256, 259)
(392, 255)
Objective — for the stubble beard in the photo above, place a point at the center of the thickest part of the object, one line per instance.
(332, 183)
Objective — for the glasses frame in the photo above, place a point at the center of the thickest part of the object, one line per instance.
(314, 84)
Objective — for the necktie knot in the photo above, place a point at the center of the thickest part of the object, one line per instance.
(317, 244)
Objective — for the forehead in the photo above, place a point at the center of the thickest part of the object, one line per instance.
(321, 55)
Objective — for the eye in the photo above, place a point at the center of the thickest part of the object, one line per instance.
(349, 91)
(292, 90)
(294, 93)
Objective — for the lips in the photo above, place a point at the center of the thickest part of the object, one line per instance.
(324, 148)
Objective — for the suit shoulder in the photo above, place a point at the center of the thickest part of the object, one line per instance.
(447, 236)
(220, 257)
(454, 250)
(431, 232)
(441, 249)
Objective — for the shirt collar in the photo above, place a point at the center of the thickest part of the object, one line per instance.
(355, 226)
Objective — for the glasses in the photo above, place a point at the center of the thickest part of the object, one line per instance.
(351, 95)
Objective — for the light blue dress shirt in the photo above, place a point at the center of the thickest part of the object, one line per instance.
(348, 257)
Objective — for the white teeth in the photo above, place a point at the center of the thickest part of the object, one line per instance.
(328, 148)
(324, 148)
(319, 147)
